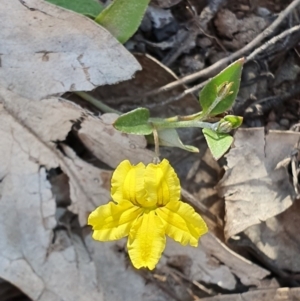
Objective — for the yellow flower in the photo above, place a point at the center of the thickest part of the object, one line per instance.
(146, 207)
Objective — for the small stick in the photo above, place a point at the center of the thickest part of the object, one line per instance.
(156, 159)
(178, 97)
(96, 102)
(272, 42)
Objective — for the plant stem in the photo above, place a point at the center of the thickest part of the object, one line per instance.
(96, 102)
(184, 118)
(156, 143)
(185, 124)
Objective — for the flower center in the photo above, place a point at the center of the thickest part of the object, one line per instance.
(148, 209)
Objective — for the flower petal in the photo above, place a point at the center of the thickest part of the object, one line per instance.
(162, 183)
(182, 223)
(146, 241)
(127, 182)
(113, 221)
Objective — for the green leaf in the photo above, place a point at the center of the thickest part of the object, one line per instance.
(134, 122)
(218, 143)
(90, 8)
(123, 17)
(218, 86)
(170, 137)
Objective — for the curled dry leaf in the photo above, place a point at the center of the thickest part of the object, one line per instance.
(276, 241)
(249, 273)
(49, 50)
(89, 186)
(27, 256)
(254, 187)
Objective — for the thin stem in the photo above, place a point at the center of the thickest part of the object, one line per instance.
(185, 118)
(186, 124)
(156, 143)
(96, 102)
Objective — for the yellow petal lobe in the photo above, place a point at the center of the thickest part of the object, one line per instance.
(182, 223)
(113, 221)
(127, 182)
(161, 183)
(146, 241)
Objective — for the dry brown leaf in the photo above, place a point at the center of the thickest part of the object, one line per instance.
(89, 185)
(27, 222)
(249, 273)
(49, 50)
(280, 294)
(277, 240)
(254, 187)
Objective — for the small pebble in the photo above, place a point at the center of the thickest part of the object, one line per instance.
(191, 63)
(204, 42)
(262, 11)
(284, 122)
(159, 17)
(244, 7)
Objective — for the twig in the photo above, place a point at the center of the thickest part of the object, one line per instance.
(272, 42)
(177, 97)
(211, 70)
(96, 102)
